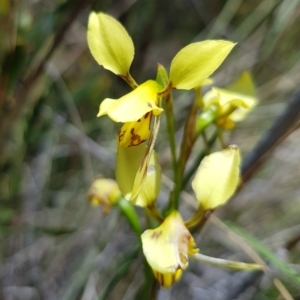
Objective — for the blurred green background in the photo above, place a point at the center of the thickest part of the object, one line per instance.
(54, 245)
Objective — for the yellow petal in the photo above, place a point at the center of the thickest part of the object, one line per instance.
(167, 247)
(127, 165)
(109, 43)
(196, 62)
(135, 133)
(217, 178)
(242, 89)
(133, 105)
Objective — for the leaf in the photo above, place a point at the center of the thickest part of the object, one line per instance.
(196, 62)
(109, 43)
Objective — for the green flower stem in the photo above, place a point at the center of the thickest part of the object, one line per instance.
(220, 137)
(168, 107)
(196, 218)
(129, 79)
(206, 143)
(166, 90)
(130, 214)
(198, 160)
(199, 97)
(188, 140)
(154, 213)
(218, 262)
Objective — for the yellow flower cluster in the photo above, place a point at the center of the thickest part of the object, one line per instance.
(138, 172)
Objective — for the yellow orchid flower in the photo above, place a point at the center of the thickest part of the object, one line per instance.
(112, 47)
(167, 248)
(234, 102)
(104, 192)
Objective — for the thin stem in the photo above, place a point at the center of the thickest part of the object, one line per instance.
(188, 140)
(171, 130)
(219, 262)
(166, 90)
(130, 214)
(206, 143)
(130, 80)
(196, 218)
(220, 137)
(154, 213)
(198, 160)
(199, 98)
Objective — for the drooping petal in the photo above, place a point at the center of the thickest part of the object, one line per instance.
(127, 165)
(135, 133)
(196, 62)
(133, 105)
(109, 43)
(217, 178)
(167, 247)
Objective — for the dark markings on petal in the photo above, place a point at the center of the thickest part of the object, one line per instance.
(149, 104)
(121, 135)
(139, 120)
(146, 115)
(156, 234)
(135, 138)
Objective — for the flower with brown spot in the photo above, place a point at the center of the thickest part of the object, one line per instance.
(167, 247)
